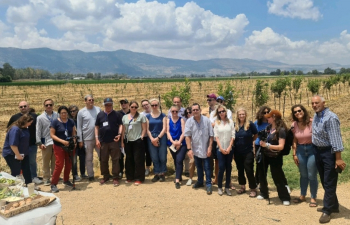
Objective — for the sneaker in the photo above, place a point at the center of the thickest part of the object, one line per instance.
(128, 181)
(68, 184)
(187, 174)
(91, 179)
(189, 182)
(209, 190)
(286, 203)
(155, 178)
(260, 197)
(147, 172)
(77, 178)
(102, 181)
(197, 185)
(37, 180)
(115, 182)
(84, 176)
(47, 182)
(227, 191)
(177, 185)
(161, 178)
(220, 191)
(54, 189)
(137, 183)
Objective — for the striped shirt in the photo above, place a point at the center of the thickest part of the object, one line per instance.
(200, 133)
(326, 130)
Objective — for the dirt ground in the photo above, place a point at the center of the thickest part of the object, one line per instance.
(161, 203)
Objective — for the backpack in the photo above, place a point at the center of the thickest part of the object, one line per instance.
(289, 142)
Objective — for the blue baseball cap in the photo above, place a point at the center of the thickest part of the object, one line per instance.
(220, 98)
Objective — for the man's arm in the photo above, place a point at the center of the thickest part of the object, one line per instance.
(333, 130)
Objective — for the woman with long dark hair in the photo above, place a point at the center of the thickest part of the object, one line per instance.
(271, 156)
(261, 124)
(16, 147)
(176, 142)
(246, 133)
(303, 153)
(134, 130)
(61, 129)
(73, 113)
(224, 133)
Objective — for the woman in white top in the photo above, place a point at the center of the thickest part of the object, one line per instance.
(224, 133)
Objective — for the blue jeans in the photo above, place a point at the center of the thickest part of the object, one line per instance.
(158, 155)
(199, 164)
(179, 157)
(307, 169)
(33, 149)
(225, 163)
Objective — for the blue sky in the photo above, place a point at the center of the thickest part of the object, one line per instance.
(290, 31)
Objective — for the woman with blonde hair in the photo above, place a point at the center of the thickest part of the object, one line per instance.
(246, 133)
(224, 134)
(156, 124)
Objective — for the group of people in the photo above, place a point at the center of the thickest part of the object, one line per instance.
(207, 139)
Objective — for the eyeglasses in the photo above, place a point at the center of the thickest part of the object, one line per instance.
(73, 111)
(123, 103)
(223, 111)
(22, 106)
(154, 105)
(298, 111)
(145, 105)
(47, 105)
(266, 112)
(174, 111)
(194, 110)
(188, 112)
(91, 100)
(133, 107)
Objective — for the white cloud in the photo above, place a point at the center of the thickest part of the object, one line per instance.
(303, 9)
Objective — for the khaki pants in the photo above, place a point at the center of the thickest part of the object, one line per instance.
(110, 149)
(90, 145)
(48, 162)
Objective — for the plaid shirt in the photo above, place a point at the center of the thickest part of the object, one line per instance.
(326, 130)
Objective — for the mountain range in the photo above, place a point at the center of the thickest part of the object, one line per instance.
(139, 64)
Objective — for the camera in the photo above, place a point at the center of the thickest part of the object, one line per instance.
(71, 146)
(263, 135)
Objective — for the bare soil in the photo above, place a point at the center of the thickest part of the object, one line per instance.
(161, 203)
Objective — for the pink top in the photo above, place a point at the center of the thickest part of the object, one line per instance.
(303, 136)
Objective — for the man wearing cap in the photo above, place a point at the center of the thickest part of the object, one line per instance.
(199, 136)
(86, 132)
(108, 129)
(210, 112)
(326, 137)
(124, 104)
(23, 107)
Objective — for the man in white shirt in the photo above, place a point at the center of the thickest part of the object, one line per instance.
(86, 132)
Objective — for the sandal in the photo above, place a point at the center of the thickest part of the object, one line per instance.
(253, 193)
(313, 204)
(298, 200)
(241, 191)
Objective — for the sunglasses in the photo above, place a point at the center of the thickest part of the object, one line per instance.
(266, 112)
(221, 111)
(47, 105)
(209, 100)
(123, 103)
(91, 100)
(174, 111)
(22, 106)
(134, 107)
(154, 105)
(194, 110)
(219, 101)
(298, 111)
(188, 112)
(73, 111)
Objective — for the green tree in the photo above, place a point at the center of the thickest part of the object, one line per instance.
(296, 84)
(300, 72)
(329, 71)
(293, 72)
(278, 87)
(229, 95)
(184, 92)
(314, 72)
(313, 86)
(8, 71)
(260, 93)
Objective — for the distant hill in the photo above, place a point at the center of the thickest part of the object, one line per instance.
(138, 64)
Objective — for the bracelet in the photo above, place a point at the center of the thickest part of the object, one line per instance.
(267, 145)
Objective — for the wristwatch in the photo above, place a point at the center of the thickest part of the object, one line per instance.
(189, 149)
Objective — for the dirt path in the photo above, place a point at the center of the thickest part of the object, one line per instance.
(161, 203)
